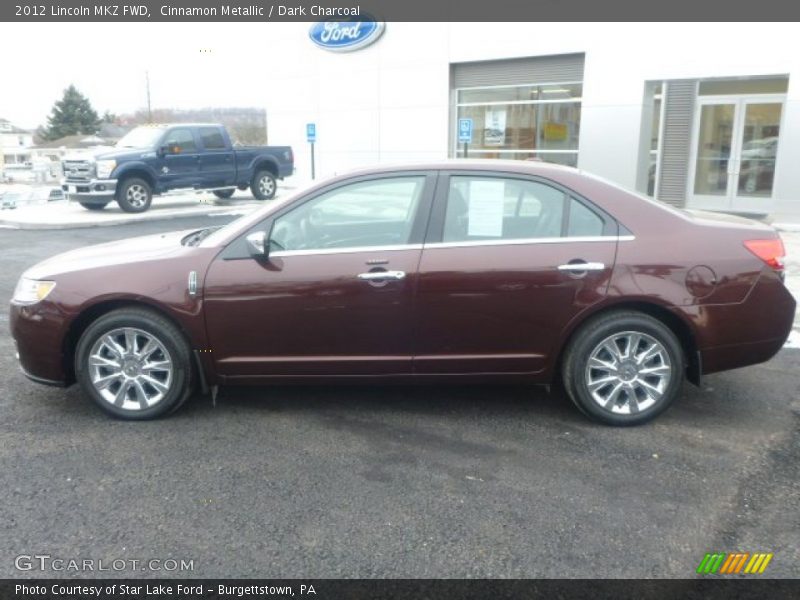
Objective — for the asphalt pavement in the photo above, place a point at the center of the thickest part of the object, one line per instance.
(415, 481)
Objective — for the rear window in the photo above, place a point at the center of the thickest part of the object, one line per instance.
(212, 138)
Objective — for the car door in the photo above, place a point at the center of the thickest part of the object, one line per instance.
(335, 295)
(217, 167)
(180, 162)
(509, 261)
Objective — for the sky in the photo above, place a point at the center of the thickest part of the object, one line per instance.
(107, 63)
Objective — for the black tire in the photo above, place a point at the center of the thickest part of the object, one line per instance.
(134, 195)
(224, 194)
(93, 205)
(636, 385)
(263, 185)
(179, 385)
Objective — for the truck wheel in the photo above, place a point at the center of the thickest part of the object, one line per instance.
(224, 194)
(134, 195)
(263, 185)
(93, 205)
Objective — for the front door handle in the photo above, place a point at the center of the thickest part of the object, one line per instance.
(381, 275)
(579, 267)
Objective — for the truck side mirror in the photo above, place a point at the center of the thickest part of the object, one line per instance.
(163, 151)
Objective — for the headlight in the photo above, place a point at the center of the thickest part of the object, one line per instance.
(105, 168)
(31, 291)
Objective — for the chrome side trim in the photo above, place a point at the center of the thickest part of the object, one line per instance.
(353, 250)
(192, 283)
(553, 240)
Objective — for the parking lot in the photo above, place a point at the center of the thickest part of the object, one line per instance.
(417, 481)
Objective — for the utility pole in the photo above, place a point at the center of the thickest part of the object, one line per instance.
(149, 110)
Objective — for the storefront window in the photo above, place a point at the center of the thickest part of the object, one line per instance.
(540, 122)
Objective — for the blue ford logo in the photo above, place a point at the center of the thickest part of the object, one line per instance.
(345, 36)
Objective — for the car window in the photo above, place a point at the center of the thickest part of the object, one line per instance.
(180, 139)
(212, 138)
(368, 213)
(496, 208)
(583, 221)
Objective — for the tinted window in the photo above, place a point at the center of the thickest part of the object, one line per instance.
(490, 208)
(212, 138)
(582, 221)
(181, 139)
(369, 213)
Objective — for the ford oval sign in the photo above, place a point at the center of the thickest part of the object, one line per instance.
(345, 36)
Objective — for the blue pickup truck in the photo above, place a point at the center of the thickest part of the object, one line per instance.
(154, 159)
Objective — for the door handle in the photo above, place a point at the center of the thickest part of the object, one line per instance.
(579, 267)
(379, 275)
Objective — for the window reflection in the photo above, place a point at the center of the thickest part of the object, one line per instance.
(524, 122)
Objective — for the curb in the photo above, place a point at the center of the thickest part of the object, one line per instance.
(129, 219)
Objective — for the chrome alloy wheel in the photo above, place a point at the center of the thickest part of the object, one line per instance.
(266, 185)
(136, 195)
(130, 368)
(628, 372)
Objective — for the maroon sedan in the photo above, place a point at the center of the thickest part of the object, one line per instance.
(466, 271)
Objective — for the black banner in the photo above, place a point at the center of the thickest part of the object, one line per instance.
(397, 589)
(110, 11)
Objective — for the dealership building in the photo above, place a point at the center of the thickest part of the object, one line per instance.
(698, 115)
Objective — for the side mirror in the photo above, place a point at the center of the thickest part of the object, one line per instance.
(163, 151)
(257, 244)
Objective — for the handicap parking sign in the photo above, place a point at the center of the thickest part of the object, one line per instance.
(465, 130)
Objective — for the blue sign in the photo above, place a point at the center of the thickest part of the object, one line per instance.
(311, 132)
(465, 130)
(345, 36)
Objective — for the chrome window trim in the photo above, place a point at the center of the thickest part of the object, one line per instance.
(352, 250)
(550, 240)
(434, 245)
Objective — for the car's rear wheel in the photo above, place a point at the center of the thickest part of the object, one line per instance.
(224, 194)
(93, 205)
(134, 195)
(264, 185)
(134, 364)
(623, 368)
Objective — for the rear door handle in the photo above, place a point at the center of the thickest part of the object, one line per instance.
(577, 267)
(380, 275)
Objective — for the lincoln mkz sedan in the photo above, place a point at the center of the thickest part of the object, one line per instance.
(463, 271)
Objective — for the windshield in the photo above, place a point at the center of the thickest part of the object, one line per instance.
(141, 137)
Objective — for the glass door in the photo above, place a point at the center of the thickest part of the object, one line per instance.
(758, 147)
(736, 142)
(711, 184)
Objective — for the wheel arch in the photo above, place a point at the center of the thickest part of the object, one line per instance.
(138, 171)
(265, 164)
(90, 314)
(682, 328)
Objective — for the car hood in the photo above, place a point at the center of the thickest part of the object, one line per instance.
(124, 153)
(131, 250)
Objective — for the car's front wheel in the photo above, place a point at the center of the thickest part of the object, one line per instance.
(134, 364)
(134, 195)
(224, 194)
(623, 368)
(93, 205)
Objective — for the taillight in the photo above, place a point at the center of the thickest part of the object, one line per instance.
(770, 251)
